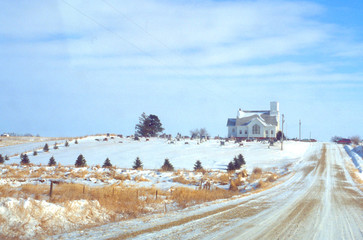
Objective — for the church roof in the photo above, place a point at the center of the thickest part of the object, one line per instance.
(263, 116)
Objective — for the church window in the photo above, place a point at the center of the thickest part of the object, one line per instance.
(272, 132)
(266, 132)
(256, 129)
(240, 131)
(245, 131)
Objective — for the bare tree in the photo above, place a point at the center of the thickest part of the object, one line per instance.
(355, 139)
(203, 132)
(194, 133)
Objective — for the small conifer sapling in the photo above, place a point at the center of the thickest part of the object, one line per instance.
(107, 163)
(137, 164)
(167, 166)
(2, 160)
(52, 162)
(198, 166)
(81, 161)
(25, 159)
(46, 148)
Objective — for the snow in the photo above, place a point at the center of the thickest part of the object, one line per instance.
(154, 151)
(27, 218)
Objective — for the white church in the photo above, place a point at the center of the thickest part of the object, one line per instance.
(255, 124)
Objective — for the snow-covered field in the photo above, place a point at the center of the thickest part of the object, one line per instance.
(24, 216)
(123, 151)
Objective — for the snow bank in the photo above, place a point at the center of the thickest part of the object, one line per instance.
(355, 157)
(30, 219)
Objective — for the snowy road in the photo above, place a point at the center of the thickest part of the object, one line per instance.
(319, 201)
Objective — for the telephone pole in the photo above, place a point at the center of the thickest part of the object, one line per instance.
(282, 130)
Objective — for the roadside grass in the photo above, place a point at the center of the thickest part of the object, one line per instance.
(186, 197)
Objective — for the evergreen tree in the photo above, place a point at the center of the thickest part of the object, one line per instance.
(55, 146)
(241, 159)
(198, 166)
(137, 164)
(35, 153)
(238, 162)
(1, 159)
(149, 126)
(76, 142)
(66, 144)
(167, 166)
(7, 158)
(52, 162)
(21, 155)
(81, 161)
(25, 159)
(107, 163)
(46, 148)
(230, 167)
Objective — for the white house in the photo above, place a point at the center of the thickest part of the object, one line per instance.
(255, 124)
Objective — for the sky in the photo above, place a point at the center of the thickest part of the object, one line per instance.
(74, 68)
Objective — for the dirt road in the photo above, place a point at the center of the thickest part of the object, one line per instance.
(319, 202)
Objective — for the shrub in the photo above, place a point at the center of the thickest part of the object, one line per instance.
(81, 161)
(1, 159)
(7, 158)
(107, 163)
(55, 146)
(66, 144)
(167, 166)
(198, 166)
(137, 164)
(46, 148)
(35, 153)
(76, 142)
(52, 162)
(24, 159)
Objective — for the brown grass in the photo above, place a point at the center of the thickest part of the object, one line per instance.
(187, 197)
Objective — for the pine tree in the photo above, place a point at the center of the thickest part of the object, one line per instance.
(198, 166)
(1, 159)
(55, 146)
(7, 158)
(241, 159)
(52, 162)
(25, 159)
(21, 155)
(81, 161)
(137, 164)
(66, 144)
(76, 142)
(46, 148)
(35, 153)
(107, 163)
(167, 166)
(230, 167)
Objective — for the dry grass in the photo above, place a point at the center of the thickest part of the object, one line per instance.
(182, 180)
(185, 197)
(122, 177)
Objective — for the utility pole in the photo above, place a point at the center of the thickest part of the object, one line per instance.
(300, 130)
(282, 130)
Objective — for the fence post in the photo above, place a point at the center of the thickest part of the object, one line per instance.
(156, 195)
(84, 189)
(51, 189)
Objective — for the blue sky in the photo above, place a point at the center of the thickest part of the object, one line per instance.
(72, 68)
